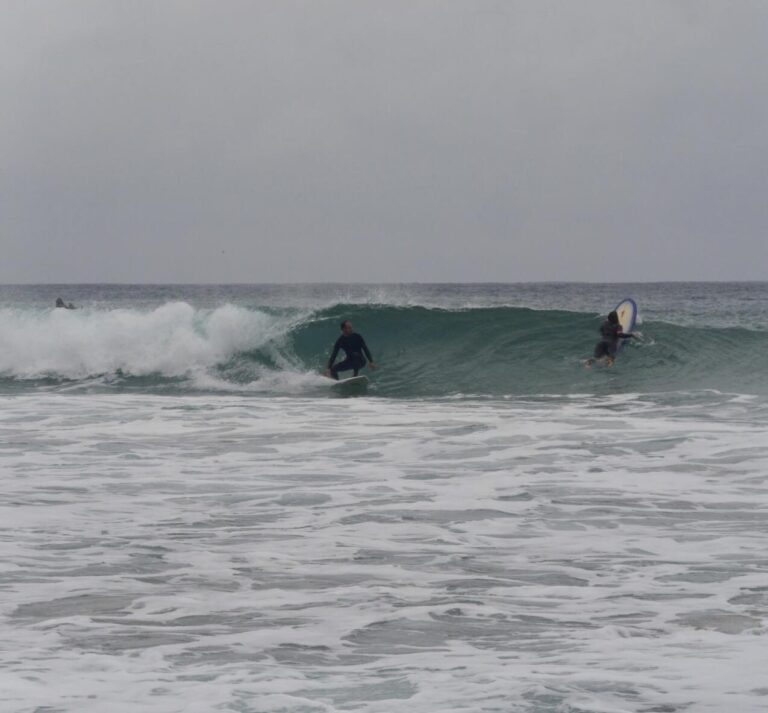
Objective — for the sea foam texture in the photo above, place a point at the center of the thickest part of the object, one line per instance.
(171, 340)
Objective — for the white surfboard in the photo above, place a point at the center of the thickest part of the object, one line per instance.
(627, 311)
(357, 382)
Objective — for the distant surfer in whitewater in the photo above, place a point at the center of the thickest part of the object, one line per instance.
(610, 339)
(353, 346)
(60, 304)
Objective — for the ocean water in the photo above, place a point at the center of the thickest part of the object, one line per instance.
(191, 519)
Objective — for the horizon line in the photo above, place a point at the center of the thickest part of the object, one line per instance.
(368, 284)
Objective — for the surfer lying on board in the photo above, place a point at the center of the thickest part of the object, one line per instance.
(610, 339)
(354, 346)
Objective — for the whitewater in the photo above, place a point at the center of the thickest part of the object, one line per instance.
(191, 520)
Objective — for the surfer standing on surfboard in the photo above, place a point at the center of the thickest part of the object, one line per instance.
(353, 345)
(610, 338)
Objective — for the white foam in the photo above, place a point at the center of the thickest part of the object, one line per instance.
(293, 554)
(172, 340)
(288, 382)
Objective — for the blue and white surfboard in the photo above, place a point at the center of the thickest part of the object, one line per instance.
(627, 311)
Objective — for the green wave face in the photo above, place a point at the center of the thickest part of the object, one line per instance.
(421, 352)
(502, 351)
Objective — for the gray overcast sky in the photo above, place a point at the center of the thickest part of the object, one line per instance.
(424, 140)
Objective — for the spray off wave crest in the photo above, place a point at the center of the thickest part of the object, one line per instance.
(423, 352)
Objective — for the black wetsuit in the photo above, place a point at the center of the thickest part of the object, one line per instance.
(354, 346)
(610, 338)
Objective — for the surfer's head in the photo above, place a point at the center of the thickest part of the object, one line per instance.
(613, 317)
(60, 302)
(346, 326)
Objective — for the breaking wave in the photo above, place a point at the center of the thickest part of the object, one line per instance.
(422, 352)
